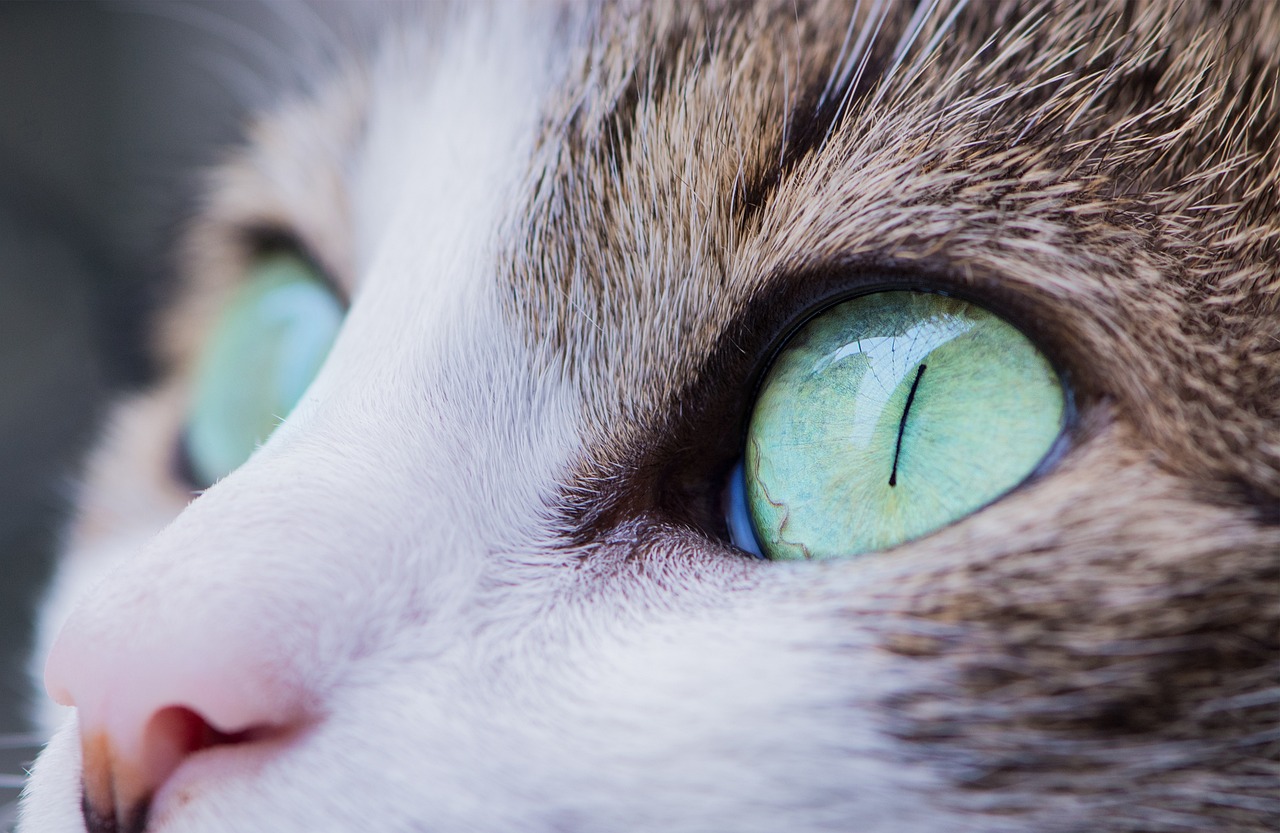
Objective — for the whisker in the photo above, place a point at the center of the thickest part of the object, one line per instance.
(273, 47)
(862, 49)
(32, 741)
(840, 56)
(914, 27)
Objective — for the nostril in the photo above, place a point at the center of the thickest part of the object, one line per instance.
(118, 788)
(184, 670)
(171, 680)
(176, 732)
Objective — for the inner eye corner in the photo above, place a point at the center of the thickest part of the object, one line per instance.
(181, 467)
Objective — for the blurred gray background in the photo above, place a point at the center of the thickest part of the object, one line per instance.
(109, 112)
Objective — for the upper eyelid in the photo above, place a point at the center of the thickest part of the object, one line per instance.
(799, 296)
(260, 240)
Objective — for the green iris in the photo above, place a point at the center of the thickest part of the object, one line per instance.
(268, 345)
(889, 416)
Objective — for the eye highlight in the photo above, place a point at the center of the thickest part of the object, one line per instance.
(267, 346)
(887, 417)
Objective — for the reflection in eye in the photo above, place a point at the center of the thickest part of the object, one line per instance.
(887, 417)
(268, 345)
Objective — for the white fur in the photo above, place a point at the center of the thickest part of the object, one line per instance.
(388, 554)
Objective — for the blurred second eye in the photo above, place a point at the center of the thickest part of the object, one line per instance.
(267, 346)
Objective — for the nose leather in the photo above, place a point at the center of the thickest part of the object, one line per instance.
(154, 687)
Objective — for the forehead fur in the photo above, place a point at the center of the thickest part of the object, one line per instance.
(1116, 162)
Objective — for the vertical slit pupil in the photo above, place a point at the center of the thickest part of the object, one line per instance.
(902, 424)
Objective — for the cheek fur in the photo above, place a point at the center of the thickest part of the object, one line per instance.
(458, 589)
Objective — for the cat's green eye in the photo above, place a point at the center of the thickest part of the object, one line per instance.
(267, 346)
(887, 417)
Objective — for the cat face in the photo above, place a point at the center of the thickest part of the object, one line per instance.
(483, 577)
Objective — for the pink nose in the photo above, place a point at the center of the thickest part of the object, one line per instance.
(155, 687)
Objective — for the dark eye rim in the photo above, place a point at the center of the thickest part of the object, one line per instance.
(808, 293)
(1005, 308)
(1015, 311)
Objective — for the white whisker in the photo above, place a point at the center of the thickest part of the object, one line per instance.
(947, 26)
(281, 48)
(861, 54)
(840, 56)
(914, 27)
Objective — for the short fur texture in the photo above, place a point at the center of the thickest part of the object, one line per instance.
(486, 557)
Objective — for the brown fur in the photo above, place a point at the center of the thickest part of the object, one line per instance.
(1098, 651)
(1106, 640)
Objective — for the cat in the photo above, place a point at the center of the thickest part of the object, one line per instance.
(487, 576)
